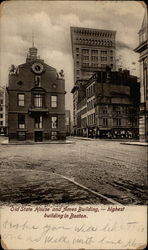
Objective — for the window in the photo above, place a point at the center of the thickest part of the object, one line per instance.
(94, 118)
(85, 64)
(21, 135)
(117, 122)
(86, 58)
(54, 135)
(105, 122)
(104, 110)
(1, 101)
(21, 100)
(1, 115)
(94, 64)
(38, 81)
(94, 52)
(21, 121)
(38, 100)
(103, 65)
(54, 121)
(38, 122)
(1, 108)
(85, 51)
(20, 83)
(1, 123)
(103, 58)
(54, 99)
(94, 58)
(103, 52)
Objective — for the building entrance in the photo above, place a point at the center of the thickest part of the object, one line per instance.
(38, 136)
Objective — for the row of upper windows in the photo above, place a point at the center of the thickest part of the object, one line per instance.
(90, 90)
(91, 104)
(93, 33)
(95, 64)
(38, 100)
(94, 42)
(38, 122)
(116, 122)
(94, 58)
(115, 109)
(91, 119)
(94, 52)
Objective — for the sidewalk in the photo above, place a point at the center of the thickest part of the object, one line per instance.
(5, 142)
(122, 141)
(135, 143)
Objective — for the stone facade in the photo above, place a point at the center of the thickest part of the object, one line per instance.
(108, 105)
(36, 108)
(142, 49)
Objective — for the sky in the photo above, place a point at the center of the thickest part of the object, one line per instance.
(50, 22)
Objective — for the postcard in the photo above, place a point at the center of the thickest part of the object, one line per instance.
(73, 125)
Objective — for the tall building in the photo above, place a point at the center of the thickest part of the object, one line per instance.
(92, 50)
(36, 101)
(108, 105)
(3, 111)
(67, 122)
(142, 49)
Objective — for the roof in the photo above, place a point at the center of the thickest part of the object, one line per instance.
(91, 29)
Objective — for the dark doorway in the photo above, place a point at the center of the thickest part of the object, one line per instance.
(38, 136)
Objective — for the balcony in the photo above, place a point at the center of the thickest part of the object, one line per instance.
(38, 110)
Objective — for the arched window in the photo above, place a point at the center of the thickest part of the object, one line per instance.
(20, 83)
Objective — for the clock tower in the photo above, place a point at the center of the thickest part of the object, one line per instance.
(32, 54)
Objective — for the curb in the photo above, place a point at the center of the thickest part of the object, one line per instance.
(37, 143)
(134, 144)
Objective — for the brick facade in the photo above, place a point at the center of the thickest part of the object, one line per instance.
(108, 105)
(36, 94)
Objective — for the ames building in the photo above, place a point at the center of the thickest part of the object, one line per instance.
(36, 101)
(92, 50)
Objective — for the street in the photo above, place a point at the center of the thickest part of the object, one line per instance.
(38, 173)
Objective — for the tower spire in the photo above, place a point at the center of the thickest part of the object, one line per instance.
(32, 55)
(32, 39)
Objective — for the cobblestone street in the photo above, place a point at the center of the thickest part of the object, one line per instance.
(31, 173)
